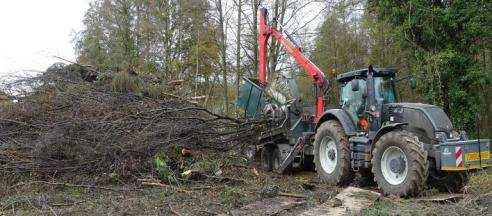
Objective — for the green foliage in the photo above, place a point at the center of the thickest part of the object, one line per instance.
(480, 182)
(444, 44)
(5, 99)
(124, 82)
(339, 46)
(234, 197)
(155, 90)
(208, 166)
(169, 39)
(269, 190)
(475, 202)
(164, 172)
(350, 40)
(448, 45)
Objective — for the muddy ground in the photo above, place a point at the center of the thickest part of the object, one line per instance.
(235, 186)
(208, 197)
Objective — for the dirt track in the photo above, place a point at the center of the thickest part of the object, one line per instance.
(206, 197)
(268, 193)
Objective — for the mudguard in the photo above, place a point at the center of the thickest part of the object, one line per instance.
(341, 116)
(385, 129)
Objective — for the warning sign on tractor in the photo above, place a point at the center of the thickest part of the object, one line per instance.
(485, 155)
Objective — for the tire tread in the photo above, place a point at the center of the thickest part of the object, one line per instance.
(346, 173)
(417, 156)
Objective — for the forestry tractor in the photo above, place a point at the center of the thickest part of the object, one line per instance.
(402, 146)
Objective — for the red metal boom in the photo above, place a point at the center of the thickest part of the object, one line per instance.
(316, 75)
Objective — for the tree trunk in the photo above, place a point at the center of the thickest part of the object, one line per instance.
(238, 46)
(255, 4)
(272, 61)
(223, 50)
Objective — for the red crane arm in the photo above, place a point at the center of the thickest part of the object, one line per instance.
(316, 75)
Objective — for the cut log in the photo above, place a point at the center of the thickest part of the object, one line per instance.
(270, 206)
(351, 201)
(442, 198)
(292, 195)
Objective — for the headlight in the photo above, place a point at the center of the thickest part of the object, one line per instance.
(441, 136)
(454, 135)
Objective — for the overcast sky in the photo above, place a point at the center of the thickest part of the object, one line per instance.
(35, 30)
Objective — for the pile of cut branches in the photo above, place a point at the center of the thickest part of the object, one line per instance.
(63, 126)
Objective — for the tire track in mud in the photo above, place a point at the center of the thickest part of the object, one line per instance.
(349, 201)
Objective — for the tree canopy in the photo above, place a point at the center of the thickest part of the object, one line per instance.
(448, 49)
(444, 44)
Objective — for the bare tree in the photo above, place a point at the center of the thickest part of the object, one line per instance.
(238, 44)
(279, 9)
(223, 51)
(255, 5)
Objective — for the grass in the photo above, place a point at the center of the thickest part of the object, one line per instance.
(477, 201)
(218, 196)
(205, 196)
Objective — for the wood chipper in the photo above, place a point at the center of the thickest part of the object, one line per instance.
(402, 146)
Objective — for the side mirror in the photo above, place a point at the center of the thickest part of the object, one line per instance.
(413, 83)
(355, 85)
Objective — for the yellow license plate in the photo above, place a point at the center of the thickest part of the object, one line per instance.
(475, 157)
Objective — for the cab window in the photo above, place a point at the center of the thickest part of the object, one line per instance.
(384, 89)
(353, 101)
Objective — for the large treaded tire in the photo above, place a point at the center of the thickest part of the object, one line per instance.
(266, 158)
(417, 164)
(276, 159)
(342, 173)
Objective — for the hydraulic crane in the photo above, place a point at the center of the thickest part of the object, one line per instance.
(401, 145)
(316, 75)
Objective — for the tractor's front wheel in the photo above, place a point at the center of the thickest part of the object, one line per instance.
(332, 154)
(399, 164)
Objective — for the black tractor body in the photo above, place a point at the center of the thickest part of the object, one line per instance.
(392, 140)
(375, 100)
(403, 147)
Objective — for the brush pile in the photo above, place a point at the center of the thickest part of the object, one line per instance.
(65, 127)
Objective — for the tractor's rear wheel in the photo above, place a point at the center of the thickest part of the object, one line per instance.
(276, 159)
(399, 164)
(266, 159)
(332, 154)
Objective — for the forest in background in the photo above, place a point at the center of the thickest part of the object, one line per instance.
(205, 47)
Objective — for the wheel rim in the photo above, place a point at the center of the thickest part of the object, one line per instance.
(394, 165)
(328, 154)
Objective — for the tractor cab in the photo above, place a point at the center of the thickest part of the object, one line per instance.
(356, 95)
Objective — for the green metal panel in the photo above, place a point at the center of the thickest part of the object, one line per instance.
(251, 98)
